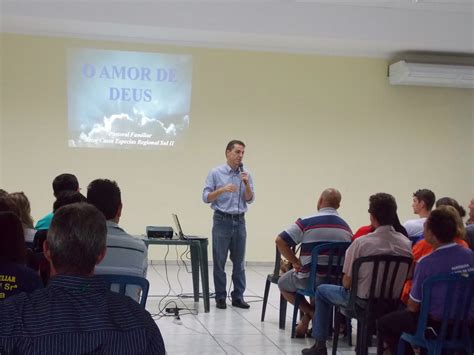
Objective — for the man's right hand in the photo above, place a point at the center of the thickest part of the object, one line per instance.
(216, 193)
(229, 188)
(297, 266)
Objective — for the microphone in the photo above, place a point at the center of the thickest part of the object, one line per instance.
(241, 170)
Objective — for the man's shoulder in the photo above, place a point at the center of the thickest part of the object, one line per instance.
(44, 222)
(384, 237)
(116, 236)
(452, 253)
(25, 303)
(415, 222)
(220, 169)
(124, 303)
(324, 218)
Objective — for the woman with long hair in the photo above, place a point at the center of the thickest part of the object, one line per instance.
(24, 209)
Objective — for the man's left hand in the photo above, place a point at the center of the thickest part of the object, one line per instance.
(244, 177)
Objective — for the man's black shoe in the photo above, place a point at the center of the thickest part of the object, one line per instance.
(315, 350)
(240, 304)
(221, 304)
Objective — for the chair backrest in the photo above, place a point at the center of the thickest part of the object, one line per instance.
(122, 281)
(276, 268)
(458, 292)
(388, 276)
(327, 260)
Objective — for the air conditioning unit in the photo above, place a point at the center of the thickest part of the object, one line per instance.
(455, 76)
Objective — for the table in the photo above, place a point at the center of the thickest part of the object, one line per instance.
(198, 248)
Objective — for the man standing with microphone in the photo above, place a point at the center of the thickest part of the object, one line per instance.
(229, 188)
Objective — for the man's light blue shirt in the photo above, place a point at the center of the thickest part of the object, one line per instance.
(227, 202)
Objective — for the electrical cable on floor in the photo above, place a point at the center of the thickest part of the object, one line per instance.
(260, 298)
(162, 309)
(186, 253)
(179, 269)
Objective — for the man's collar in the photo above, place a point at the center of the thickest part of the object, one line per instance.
(385, 227)
(111, 223)
(76, 282)
(327, 209)
(229, 168)
(445, 246)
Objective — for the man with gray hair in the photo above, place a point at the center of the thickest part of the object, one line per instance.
(76, 313)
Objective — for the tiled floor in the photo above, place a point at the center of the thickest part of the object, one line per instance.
(229, 331)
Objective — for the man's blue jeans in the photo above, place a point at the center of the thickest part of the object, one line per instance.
(229, 235)
(326, 297)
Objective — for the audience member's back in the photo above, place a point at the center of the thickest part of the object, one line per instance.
(15, 276)
(125, 253)
(76, 313)
(61, 183)
(423, 201)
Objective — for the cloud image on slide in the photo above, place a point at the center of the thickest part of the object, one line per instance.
(123, 130)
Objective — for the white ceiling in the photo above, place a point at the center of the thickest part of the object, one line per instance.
(373, 28)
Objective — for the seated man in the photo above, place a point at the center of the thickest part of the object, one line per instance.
(76, 313)
(62, 182)
(384, 240)
(423, 201)
(324, 226)
(424, 247)
(125, 254)
(447, 257)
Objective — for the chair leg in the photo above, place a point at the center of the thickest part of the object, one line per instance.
(349, 331)
(379, 344)
(358, 337)
(333, 321)
(401, 347)
(364, 344)
(265, 300)
(337, 325)
(295, 314)
(283, 304)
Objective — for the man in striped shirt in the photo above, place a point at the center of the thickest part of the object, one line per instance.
(324, 226)
(76, 313)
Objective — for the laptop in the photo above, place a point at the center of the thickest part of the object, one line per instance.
(181, 235)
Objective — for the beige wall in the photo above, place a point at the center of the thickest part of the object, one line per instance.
(1, 111)
(308, 121)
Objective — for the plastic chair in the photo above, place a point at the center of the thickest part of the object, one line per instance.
(388, 277)
(335, 253)
(125, 280)
(273, 278)
(453, 332)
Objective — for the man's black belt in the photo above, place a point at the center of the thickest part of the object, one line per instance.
(229, 215)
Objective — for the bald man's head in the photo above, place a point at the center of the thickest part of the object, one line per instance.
(330, 198)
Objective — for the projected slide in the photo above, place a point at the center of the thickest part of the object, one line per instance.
(128, 100)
